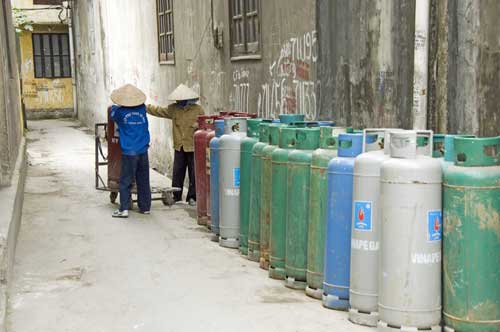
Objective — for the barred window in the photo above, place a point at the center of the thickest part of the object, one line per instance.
(245, 27)
(51, 55)
(166, 47)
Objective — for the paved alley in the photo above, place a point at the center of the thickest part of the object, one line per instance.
(78, 269)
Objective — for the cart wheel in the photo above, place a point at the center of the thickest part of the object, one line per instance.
(131, 204)
(112, 197)
(167, 198)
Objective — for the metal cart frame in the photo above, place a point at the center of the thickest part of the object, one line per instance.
(157, 194)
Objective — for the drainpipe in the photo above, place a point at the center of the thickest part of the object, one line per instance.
(421, 60)
(70, 5)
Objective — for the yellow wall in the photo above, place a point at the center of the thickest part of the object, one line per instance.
(42, 93)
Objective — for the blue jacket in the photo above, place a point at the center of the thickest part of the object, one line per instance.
(132, 125)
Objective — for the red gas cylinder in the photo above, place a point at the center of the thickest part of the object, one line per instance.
(114, 154)
(205, 125)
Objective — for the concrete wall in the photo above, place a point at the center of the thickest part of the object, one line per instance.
(10, 106)
(366, 64)
(473, 67)
(43, 97)
(38, 13)
(115, 49)
(351, 61)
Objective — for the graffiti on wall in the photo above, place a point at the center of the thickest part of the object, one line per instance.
(241, 90)
(291, 89)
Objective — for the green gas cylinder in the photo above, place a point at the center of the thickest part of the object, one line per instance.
(279, 159)
(265, 208)
(298, 181)
(471, 246)
(247, 144)
(317, 211)
(255, 192)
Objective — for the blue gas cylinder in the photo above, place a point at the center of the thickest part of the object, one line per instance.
(214, 175)
(338, 222)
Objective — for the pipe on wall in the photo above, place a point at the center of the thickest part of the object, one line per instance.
(421, 60)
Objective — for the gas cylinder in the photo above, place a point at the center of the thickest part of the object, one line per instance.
(338, 222)
(265, 208)
(229, 181)
(410, 264)
(438, 146)
(255, 192)
(205, 125)
(210, 135)
(365, 231)
(299, 175)
(471, 238)
(449, 149)
(214, 177)
(317, 212)
(247, 144)
(266, 177)
(279, 160)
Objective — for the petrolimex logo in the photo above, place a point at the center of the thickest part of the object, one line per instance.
(363, 216)
(434, 225)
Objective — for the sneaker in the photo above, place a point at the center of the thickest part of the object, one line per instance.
(145, 212)
(120, 214)
(192, 202)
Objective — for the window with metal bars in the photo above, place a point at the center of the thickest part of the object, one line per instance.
(51, 55)
(166, 46)
(245, 27)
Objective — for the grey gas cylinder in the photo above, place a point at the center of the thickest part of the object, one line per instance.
(410, 264)
(365, 229)
(229, 181)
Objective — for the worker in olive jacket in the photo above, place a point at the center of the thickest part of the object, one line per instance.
(184, 114)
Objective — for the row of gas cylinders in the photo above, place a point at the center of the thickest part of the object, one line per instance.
(356, 218)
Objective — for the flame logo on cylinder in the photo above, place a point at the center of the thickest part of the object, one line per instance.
(436, 224)
(361, 215)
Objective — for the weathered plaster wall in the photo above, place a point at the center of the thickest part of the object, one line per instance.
(43, 95)
(284, 79)
(366, 62)
(473, 63)
(38, 13)
(10, 106)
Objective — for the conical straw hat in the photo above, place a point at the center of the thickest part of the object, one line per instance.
(182, 92)
(128, 96)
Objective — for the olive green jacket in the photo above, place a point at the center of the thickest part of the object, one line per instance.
(184, 122)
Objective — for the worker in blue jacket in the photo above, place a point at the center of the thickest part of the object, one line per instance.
(129, 114)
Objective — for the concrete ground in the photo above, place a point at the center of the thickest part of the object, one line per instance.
(78, 269)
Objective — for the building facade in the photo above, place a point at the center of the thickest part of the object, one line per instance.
(11, 128)
(349, 61)
(45, 60)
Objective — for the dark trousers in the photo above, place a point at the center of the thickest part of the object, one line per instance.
(135, 168)
(183, 160)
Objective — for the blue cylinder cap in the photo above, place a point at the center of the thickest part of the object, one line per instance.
(351, 145)
(219, 128)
